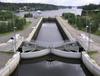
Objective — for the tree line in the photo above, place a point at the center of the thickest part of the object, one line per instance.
(26, 6)
(8, 21)
(80, 22)
(90, 7)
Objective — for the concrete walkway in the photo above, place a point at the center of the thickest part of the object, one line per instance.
(95, 45)
(77, 33)
(4, 57)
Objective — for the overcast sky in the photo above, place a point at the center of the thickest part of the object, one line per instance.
(56, 2)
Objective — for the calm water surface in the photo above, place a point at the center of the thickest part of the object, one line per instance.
(56, 67)
(49, 35)
(53, 13)
(49, 66)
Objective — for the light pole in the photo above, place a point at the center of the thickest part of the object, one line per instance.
(89, 37)
(86, 30)
(14, 39)
(86, 37)
(14, 30)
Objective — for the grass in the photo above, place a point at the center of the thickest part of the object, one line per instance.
(10, 53)
(95, 56)
(28, 23)
(92, 54)
(97, 33)
(7, 33)
(83, 29)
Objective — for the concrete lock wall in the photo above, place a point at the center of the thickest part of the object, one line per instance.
(38, 29)
(35, 54)
(62, 32)
(53, 51)
(90, 64)
(10, 44)
(66, 54)
(11, 65)
(35, 31)
(64, 29)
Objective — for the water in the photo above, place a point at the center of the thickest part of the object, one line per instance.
(49, 35)
(53, 13)
(56, 67)
(51, 65)
(59, 12)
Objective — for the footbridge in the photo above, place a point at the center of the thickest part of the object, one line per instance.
(82, 43)
(68, 46)
(68, 42)
(51, 37)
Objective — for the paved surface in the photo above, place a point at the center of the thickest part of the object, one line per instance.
(11, 44)
(4, 57)
(94, 45)
(24, 33)
(77, 33)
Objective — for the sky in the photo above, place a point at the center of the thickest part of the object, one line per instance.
(56, 2)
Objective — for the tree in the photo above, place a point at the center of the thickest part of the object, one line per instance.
(5, 15)
(8, 20)
(70, 16)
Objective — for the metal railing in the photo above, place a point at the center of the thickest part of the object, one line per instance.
(50, 45)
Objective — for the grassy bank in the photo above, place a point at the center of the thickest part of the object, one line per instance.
(25, 26)
(8, 20)
(92, 20)
(95, 56)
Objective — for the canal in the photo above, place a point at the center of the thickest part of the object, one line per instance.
(50, 65)
(49, 35)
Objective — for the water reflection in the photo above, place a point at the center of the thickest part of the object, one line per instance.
(49, 35)
(53, 13)
(44, 67)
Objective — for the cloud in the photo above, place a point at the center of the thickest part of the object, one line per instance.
(57, 2)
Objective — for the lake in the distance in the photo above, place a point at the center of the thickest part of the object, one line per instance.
(51, 66)
(53, 13)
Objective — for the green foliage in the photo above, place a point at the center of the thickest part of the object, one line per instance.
(19, 23)
(28, 15)
(97, 32)
(2, 27)
(91, 7)
(71, 17)
(95, 22)
(90, 12)
(8, 22)
(96, 17)
(94, 27)
(5, 15)
(80, 22)
(26, 6)
(92, 20)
